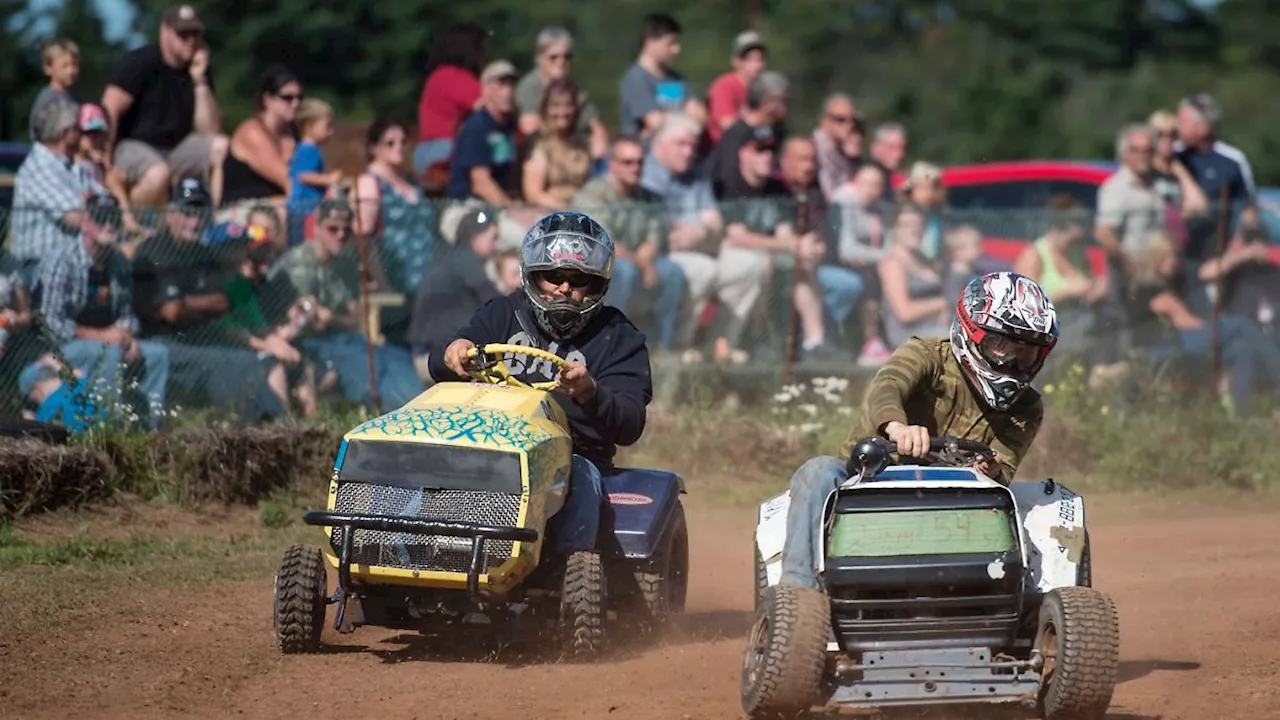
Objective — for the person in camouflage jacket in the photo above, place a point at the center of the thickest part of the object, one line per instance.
(975, 384)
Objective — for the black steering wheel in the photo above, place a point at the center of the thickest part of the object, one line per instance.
(871, 455)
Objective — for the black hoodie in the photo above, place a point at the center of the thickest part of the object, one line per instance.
(613, 350)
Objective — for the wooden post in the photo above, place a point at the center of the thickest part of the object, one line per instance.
(1220, 243)
(802, 227)
(361, 248)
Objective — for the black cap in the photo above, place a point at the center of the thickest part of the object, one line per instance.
(104, 210)
(190, 193)
(762, 138)
(471, 225)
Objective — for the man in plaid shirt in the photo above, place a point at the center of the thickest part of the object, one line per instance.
(85, 298)
(50, 188)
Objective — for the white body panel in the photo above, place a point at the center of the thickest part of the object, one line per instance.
(1052, 537)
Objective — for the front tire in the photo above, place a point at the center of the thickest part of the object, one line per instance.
(1079, 638)
(582, 605)
(786, 653)
(300, 600)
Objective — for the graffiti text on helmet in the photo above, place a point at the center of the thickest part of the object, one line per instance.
(566, 247)
(529, 369)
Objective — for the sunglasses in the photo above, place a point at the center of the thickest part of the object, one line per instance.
(576, 280)
(335, 228)
(190, 35)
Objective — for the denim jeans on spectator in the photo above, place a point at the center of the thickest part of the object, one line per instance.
(810, 486)
(841, 290)
(578, 521)
(223, 377)
(344, 352)
(430, 152)
(1243, 344)
(95, 357)
(667, 295)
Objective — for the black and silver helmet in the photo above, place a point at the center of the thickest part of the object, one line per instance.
(566, 241)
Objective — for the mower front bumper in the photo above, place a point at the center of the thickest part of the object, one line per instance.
(944, 676)
(348, 523)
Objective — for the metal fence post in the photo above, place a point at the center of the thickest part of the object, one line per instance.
(362, 252)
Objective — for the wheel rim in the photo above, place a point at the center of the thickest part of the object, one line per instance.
(757, 646)
(1049, 652)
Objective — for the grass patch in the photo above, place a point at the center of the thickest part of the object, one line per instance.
(67, 582)
(16, 551)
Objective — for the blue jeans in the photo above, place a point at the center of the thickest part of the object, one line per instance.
(668, 294)
(430, 152)
(344, 352)
(84, 354)
(1242, 344)
(841, 290)
(223, 377)
(578, 521)
(810, 486)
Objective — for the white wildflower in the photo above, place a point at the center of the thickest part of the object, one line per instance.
(809, 409)
(844, 411)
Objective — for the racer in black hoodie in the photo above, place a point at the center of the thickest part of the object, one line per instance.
(566, 261)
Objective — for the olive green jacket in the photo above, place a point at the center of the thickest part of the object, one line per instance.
(921, 384)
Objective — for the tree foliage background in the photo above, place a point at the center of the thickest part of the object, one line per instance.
(973, 80)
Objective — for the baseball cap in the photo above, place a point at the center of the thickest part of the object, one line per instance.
(762, 138)
(471, 225)
(182, 18)
(92, 118)
(499, 70)
(329, 208)
(190, 193)
(749, 40)
(38, 371)
(104, 210)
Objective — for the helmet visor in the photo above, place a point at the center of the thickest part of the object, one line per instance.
(1006, 354)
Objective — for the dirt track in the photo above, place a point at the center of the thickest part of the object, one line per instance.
(1196, 598)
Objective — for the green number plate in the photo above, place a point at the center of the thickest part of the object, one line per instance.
(924, 532)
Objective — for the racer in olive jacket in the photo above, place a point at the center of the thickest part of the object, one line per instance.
(974, 385)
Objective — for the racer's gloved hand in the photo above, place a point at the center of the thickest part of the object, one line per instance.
(912, 440)
(989, 467)
(577, 383)
(455, 356)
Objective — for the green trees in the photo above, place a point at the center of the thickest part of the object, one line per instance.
(973, 81)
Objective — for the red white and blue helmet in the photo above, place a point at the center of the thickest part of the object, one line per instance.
(1004, 329)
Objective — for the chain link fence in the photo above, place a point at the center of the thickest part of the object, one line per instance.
(263, 312)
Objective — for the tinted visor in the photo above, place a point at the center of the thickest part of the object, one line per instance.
(1010, 355)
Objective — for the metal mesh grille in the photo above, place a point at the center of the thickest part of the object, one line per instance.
(412, 551)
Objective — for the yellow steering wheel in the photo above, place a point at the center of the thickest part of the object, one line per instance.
(485, 365)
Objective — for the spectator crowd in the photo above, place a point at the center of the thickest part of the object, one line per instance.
(221, 269)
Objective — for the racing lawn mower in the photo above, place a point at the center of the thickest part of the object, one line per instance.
(940, 587)
(439, 519)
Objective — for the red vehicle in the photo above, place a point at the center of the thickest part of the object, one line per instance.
(1015, 196)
